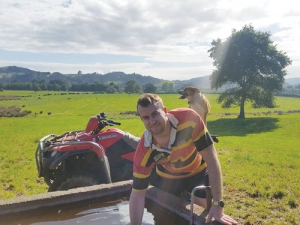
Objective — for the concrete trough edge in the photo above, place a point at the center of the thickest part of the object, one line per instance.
(25, 203)
(165, 200)
(176, 205)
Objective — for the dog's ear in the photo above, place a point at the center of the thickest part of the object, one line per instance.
(195, 89)
(192, 89)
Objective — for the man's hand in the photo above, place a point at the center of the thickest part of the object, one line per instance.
(217, 213)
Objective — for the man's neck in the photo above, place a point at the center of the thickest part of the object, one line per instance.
(164, 138)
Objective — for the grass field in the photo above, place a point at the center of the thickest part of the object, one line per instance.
(259, 155)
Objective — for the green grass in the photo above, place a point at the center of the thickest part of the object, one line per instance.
(259, 155)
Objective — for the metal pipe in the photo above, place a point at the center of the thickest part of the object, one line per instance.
(192, 200)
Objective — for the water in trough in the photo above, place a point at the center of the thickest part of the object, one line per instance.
(92, 213)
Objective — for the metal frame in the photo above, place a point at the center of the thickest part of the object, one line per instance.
(208, 200)
(40, 149)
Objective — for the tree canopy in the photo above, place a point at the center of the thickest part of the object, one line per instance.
(132, 87)
(149, 88)
(251, 68)
(168, 86)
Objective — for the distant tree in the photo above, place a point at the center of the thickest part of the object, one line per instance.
(75, 87)
(98, 87)
(168, 86)
(79, 72)
(114, 86)
(132, 87)
(65, 86)
(111, 90)
(36, 87)
(57, 85)
(18, 86)
(250, 66)
(150, 88)
(43, 86)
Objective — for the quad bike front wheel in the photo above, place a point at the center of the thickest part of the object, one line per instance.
(65, 183)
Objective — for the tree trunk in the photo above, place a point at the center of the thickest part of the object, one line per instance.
(242, 109)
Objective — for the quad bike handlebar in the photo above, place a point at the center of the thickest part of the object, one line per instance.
(102, 119)
(112, 123)
(97, 123)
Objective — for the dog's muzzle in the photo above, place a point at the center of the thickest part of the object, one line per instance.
(183, 94)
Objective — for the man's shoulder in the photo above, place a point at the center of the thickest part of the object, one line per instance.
(184, 114)
(142, 139)
(181, 111)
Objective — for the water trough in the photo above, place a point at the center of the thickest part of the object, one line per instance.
(21, 205)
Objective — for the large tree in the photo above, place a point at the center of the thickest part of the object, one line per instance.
(250, 67)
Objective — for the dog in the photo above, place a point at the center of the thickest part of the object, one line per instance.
(196, 100)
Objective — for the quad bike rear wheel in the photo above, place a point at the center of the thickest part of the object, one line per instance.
(47, 180)
(74, 181)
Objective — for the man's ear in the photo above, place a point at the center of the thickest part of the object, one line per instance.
(165, 109)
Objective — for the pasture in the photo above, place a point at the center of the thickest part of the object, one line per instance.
(259, 155)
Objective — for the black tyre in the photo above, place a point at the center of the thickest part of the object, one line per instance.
(47, 180)
(65, 183)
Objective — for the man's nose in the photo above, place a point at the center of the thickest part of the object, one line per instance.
(152, 119)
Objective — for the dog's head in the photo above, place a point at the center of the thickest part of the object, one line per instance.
(189, 92)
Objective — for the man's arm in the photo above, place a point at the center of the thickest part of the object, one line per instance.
(136, 206)
(215, 179)
(214, 172)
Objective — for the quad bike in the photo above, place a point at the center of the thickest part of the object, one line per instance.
(86, 157)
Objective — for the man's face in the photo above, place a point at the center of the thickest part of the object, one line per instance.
(154, 118)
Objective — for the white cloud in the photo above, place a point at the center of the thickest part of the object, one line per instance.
(170, 38)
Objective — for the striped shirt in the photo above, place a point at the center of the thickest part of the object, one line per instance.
(189, 136)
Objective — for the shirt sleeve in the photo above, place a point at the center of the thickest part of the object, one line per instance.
(201, 137)
(141, 168)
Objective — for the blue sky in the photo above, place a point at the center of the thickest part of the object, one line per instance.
(165, 39)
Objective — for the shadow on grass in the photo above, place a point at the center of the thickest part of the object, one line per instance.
(242, 127)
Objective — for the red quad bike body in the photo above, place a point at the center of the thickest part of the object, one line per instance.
(86, 157)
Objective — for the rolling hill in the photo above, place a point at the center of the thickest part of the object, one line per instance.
(11, 74)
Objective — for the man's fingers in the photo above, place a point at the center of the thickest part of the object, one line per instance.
(209, 217)
(224, 219)
(229, 220)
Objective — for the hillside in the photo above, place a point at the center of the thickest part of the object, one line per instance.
(293, 81)
(13, 73)
(10, 74)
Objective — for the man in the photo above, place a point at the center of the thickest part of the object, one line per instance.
(178, 145)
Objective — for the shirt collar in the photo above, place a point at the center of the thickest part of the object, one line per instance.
(173, 121)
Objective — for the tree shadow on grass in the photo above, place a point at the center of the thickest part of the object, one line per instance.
(241, 127)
